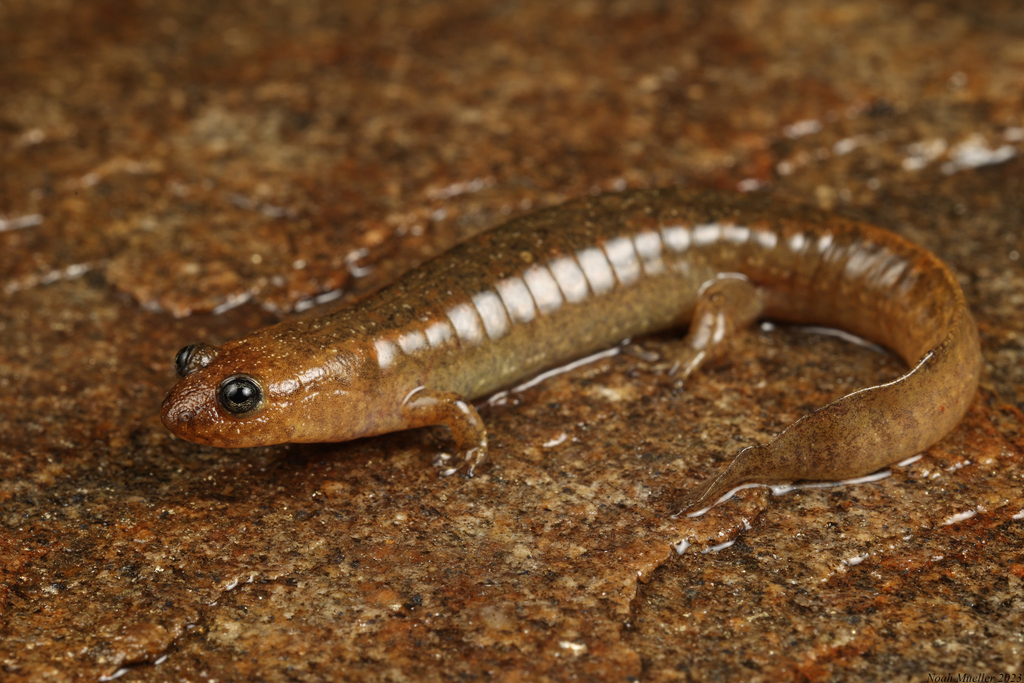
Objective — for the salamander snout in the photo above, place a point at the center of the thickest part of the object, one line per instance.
(188, 411)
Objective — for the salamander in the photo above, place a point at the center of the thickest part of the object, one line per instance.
(560, 283)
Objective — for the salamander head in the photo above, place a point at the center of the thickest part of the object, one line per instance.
(243, 395)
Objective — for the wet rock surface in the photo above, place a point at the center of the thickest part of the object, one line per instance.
(178, 172)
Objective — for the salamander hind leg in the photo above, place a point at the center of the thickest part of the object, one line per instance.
(724, 305)
(425, 408)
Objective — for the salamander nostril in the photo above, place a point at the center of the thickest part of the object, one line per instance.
(184, 416)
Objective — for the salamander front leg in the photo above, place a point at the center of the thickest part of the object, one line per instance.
(424, 408)
(725, 305)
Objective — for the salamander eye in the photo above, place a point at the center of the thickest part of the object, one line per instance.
(194, 357)
(182, 358)
(240, 395)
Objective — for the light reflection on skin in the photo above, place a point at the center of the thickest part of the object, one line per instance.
(737, 234)
(466, 323)
(293, 384)
(597, 270)
(517, 298)
(768, 240)
(623, 259)
(676, 238)
(648, 247)
(314, 375)
(386, 352)
(861, 262)
(438, 333)
(284, 387)
(413, 341)
(797, 242)
(492, 313)
(570, 278)
(706, 234)
(544, 288)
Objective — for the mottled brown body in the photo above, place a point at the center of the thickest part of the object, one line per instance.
(557, 284)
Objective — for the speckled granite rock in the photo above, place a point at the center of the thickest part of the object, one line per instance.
(181, 171)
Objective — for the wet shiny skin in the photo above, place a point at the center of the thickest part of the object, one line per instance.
(561, 283)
